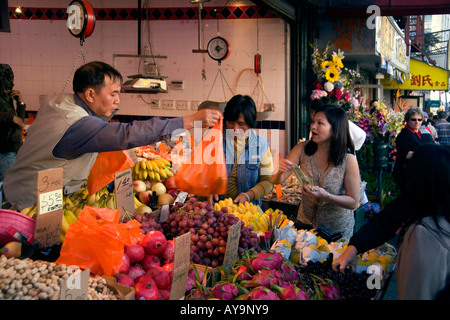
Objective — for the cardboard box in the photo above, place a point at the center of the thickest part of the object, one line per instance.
(124, 292)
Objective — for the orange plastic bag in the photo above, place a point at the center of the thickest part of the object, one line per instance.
(206, 174)
(97, 240)
(105, 167)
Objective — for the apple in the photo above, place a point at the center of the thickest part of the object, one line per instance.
(165, 198)
(173, 192)
(169, 182)
(159, 188)
(12, 249)
(139, 186)
(145, 196)
(143, 209)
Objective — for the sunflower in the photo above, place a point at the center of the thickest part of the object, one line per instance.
(332, 75)
(327, 64)
(338, 62)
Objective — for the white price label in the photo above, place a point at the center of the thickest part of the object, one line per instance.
(51, 201)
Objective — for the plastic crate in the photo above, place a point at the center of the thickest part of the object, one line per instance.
(13, 221)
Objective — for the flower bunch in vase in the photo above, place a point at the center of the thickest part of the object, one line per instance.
(333, 79)
(382, 126)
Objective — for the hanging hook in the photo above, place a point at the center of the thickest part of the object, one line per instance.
(82, 41)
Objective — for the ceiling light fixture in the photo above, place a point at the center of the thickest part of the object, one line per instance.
(18, 12)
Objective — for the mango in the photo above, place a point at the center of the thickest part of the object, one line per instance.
(12, 249)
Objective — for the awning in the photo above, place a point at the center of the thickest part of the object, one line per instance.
(422, 77)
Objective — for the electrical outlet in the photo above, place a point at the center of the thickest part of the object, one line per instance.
(194, 105)
(156, 104)
(182, 105)
(168, 104)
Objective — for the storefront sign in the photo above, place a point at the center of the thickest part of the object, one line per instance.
(422, 77)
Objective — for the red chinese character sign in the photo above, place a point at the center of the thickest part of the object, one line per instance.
(422, 77)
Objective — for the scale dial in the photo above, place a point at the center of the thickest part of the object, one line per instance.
(80, 18)
(218, 48)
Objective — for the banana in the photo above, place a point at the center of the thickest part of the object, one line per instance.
(68, 203)
(166, 162)
(157, 176)
(62, 237)
(159, 163)
(148, 165)
(111, 203)
(70, 216)
(27, 210)
(91, 200)
(143, 175)
(137, 203)
(168, 172)
(65, 225)
(154, 166)
(162, 173)
(151, 175)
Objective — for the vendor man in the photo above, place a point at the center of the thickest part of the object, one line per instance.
(70, 129)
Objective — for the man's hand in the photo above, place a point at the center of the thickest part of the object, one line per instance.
(208, 117)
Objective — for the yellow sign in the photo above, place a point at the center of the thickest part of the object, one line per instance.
(422, 77)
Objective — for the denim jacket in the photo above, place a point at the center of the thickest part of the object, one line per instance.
(249, 161)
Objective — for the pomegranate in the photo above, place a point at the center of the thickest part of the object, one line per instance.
(135, 252)
(164, 294)
(135, 271)
(146, 289)
(124, 279)
(168, 254)
(125, 264)
(150, 261)
(154, 242)
(169, 268)
(161, 277)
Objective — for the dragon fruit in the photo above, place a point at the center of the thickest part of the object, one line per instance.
(289, 273)
(330, 291)
(225, 291)
(266, 260)
(263, 278)
(242, 273)
(259, 293)
(291, 292)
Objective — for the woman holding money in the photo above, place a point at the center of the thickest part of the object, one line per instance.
(331, 183)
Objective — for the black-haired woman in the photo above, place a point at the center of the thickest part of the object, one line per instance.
(247, 154)
(328, 159)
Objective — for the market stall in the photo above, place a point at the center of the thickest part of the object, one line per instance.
(173, 245)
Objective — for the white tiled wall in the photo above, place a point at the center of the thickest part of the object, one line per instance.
(43, 56)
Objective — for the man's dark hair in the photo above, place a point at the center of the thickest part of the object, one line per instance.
(92, 75)
(442, 114)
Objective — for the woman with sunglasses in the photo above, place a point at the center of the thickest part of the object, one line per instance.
(406, 142)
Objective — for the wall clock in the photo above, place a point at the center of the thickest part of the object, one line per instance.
(80, 18)
(218, 48)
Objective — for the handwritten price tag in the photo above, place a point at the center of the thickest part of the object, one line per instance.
(50, 201)
(50, 206)
(231, 252)
(123, 183)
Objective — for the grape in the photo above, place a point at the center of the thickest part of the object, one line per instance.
(209, 230)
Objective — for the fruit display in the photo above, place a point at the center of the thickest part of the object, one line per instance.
(352, 285)
(147, 266)
(209, 230)
(26, 279)
(266, 276)
(155, 169)
(252, 215)
(308, 246)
